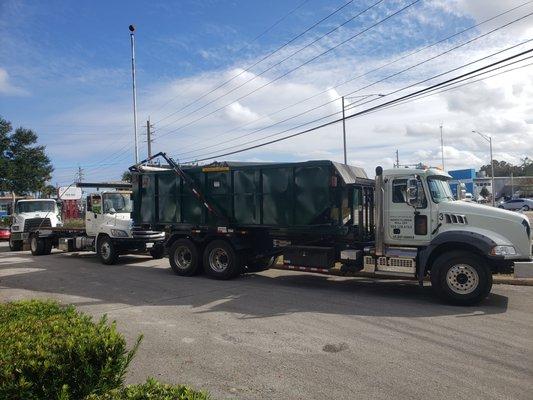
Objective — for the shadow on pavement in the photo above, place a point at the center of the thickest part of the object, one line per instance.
(259, 295)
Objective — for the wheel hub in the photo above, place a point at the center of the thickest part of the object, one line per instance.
(105, 250)
(218, 260)
(462, 279)
(183, 257)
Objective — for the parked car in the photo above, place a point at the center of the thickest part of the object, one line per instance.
(5, 233)
(517, 204)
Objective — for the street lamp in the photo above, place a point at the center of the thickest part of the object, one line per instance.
(134, 90)
(362, 97)
(489, 139)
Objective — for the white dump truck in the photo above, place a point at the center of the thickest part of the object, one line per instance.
(108, 228)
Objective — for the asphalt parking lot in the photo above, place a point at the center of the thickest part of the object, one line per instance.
(290, 335)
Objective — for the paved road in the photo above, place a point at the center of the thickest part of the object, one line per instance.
(288, 335)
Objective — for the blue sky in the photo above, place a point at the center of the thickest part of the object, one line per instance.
(65, 72)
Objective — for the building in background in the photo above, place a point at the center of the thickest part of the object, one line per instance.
(462, 176)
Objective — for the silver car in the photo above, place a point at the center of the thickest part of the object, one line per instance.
(517, 204)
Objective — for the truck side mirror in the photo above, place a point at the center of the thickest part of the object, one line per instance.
(412, 192)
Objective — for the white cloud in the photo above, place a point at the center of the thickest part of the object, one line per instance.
(7, 88)
(237, 112)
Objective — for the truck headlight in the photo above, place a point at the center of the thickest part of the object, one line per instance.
(503, 251)
(15, 228)
(119, 233)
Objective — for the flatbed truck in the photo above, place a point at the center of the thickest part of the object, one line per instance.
(228, 218)
(107, 230)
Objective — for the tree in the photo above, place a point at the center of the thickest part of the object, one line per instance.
(24, 166)
(503, 168)
(126, 176)
(484, 192)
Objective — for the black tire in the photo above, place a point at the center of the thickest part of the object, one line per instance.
(47, 248)
(461, 278)
(15, 245)
(260, 265)
(500, 206)
(107, 251)
(525, 208)
(184, 258)
(157, 252)
(37, 246)
(221, 261)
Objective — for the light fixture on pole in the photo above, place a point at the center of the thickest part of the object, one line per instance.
(362, 97)
(489, 139)
(132, 39)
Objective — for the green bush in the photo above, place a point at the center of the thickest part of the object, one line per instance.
(152, 390)
(52, 352)
(5, 222)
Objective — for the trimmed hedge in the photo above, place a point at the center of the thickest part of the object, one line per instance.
(152, 390)
(52, 352)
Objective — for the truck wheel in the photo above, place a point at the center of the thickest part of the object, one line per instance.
(183, 257)
(157, 252)
(107, 251)
(221, 261)
(37, 246)
(260, 265)
(47, 248)
(461, 278)
(15, 245)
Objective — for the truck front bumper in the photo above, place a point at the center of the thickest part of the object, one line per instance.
(148, 236)
(523, 269)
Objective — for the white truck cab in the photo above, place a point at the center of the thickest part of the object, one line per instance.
(421, 229)
(31, 214)
(108, 228)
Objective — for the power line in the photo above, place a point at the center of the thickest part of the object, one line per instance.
(358, 76)
(294, 69)
(255, 76)
(386, 78)
(371, 109)
(255, 63)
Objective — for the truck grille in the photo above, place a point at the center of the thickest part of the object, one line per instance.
(34, 223)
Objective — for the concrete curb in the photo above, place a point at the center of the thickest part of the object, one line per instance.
(497, 279)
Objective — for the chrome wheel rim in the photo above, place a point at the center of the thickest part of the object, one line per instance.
(462, 279)
(105, 250)
(218, 260)
(183, 257)
(33, 244)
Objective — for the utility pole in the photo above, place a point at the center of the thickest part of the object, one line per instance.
(132, 39)
(442, 146)
(512, 185)
(79, 174)
(397, 159)
(489, 139)
(149, 139)
(344, 132)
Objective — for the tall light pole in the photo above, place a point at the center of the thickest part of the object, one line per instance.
(362, 97)
(442, 147)
(344, 132)
(489, 139)
(132, 38)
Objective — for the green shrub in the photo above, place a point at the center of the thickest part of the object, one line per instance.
(152, 390)
(52, 352)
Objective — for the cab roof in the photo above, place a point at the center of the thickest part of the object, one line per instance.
(418, 171)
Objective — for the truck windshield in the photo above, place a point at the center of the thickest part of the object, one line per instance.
(36, 206)
(117, 202)
(440, 189)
